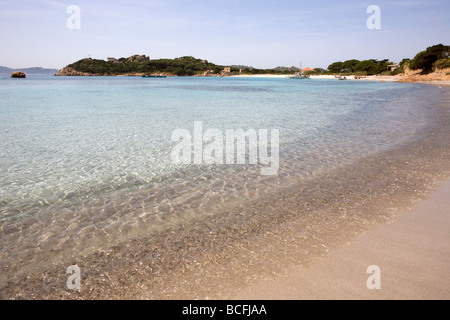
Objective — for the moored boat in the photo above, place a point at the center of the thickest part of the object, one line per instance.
(151, 76)
(299, 75)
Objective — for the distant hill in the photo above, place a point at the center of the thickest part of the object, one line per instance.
(290, 69)
(28, 71)
(241, 67)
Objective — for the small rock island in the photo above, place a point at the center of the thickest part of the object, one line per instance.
(18, 74)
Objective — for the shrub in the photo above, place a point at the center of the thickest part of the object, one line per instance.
(442, 63)
(399, 70)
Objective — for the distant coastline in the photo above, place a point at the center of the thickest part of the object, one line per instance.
(29, 71)
(439, 77)
(432, 64)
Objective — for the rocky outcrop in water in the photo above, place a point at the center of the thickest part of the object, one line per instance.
(18, 74)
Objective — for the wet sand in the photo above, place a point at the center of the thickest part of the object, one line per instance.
(413, 254)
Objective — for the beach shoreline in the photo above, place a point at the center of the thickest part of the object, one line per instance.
(352, 78)
(412, 254)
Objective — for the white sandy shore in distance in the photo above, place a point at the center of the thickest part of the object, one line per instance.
(413, 255)
(283, 76)
(351, 77)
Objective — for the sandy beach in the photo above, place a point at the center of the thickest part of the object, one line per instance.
(412, 253)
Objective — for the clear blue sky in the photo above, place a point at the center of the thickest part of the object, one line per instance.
(260, 33)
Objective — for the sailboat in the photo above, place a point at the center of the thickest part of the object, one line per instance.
(298, 75)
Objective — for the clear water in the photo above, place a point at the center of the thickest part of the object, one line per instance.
(85, 162)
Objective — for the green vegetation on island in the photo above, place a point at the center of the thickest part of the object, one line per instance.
(183, 66)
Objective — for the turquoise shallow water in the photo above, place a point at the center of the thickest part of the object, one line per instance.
(85, 162)
(62, 136)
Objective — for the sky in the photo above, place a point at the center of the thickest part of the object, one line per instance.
(258, 33)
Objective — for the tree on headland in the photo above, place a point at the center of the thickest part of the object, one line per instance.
(425, 59)
(434, 57)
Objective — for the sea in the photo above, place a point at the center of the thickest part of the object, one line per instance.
(88, 177)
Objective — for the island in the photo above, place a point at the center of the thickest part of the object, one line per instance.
(18, 74)
(142, 65)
